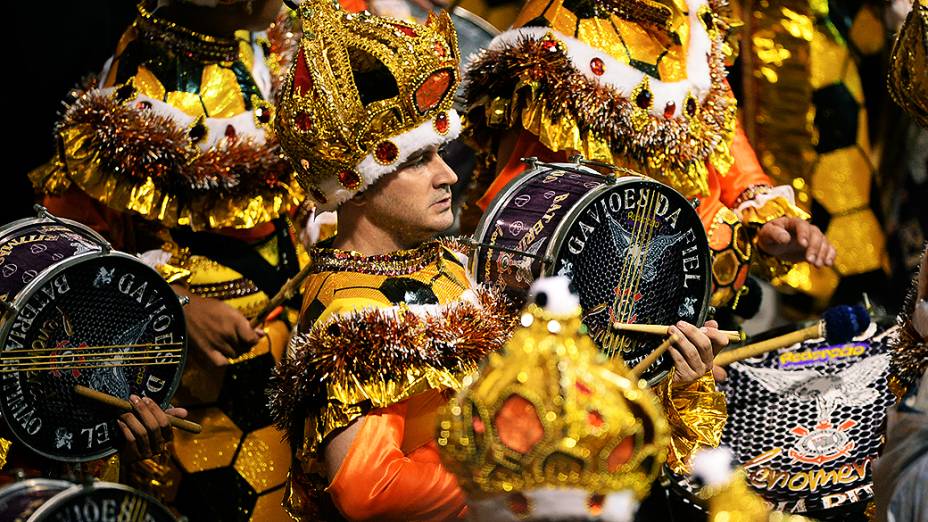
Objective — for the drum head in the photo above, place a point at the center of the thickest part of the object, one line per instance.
(20, 500)
(102, 501)
(806, 422)
(635, 252)
(105, 321)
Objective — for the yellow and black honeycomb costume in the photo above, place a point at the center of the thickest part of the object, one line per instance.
(804, 111)
(171, 152)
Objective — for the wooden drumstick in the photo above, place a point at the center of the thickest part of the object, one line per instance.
(282, 295)
(658, 329)
(838, 325)
(651, 357)
(116, 402)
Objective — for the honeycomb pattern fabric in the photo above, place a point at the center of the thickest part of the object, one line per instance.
(806, 423)
(804, 111)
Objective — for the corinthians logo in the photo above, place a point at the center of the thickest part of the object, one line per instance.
(824, 443)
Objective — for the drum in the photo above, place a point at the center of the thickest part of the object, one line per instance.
(75, 312)
(806, 423)
(37, 500)
(20, 500)
(634, 250)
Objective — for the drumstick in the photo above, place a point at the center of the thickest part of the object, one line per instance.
(116, 402)
(285, 293)
(649, 360)
(658, 329)
(838, 325)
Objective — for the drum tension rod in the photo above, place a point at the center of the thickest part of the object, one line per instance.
(476, 244)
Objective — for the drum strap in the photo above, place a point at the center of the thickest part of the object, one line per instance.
(244, 257)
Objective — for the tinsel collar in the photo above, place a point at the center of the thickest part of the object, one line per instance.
(537, 82)
(377, 357)
(130, 157)
(394, 264)
(180, 40)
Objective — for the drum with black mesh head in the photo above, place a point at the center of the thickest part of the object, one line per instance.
(634, 249)
(77, 312)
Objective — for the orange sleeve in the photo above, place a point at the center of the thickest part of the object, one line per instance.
(745, 172)
(377, 481)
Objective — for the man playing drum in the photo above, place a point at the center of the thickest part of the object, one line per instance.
(391, 321)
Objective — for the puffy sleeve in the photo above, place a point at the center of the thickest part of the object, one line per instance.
(378, 481)
(696, 415)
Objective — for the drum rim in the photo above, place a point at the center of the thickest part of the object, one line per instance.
(477, 20)
(6, 322)
(32, 482)
(505, 196)
(21, 223)
(47, 508)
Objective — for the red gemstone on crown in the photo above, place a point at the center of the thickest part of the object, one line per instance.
(230, 132)
(304, 121)
(440, 50)
(518, 504)
(597, 66)
(643, 100)
(549, 45)
(433, 90)
(441, 123)
(408, 31)
(595, 418)
(143, 105)
(302, 79)
(349, 179)
(670, 109)
(386, 152)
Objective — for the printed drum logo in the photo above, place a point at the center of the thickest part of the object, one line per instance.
(823, 444)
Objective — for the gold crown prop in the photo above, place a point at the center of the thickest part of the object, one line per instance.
(364, 94)
(551, 427)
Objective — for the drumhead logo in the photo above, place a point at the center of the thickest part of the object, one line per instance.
(823, 444)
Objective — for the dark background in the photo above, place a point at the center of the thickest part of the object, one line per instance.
(54, 46)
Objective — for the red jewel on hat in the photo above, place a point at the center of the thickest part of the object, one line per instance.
(143, 105)
(549, 45)
(439, 50)
(643, 100)
(595, 504)
(597, 66)
(386, 152)
(304, 121)
(690, 106)
(595, 418)
(349, 179)
(669, 109)
(441, 123)
(230, 132)
(408, 31)
(433, 90)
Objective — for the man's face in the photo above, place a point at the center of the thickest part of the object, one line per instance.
(414, 201)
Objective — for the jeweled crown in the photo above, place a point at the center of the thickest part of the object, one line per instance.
(551, 413)
(363, 95)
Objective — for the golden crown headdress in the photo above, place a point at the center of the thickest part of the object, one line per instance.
(551, 427)
(363, 95)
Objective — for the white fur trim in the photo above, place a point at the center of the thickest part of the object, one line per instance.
(244, 123)
(555, 504)
(623, 78)
(758, 201)
(713, 466)
(155, 258)
(407, 143)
